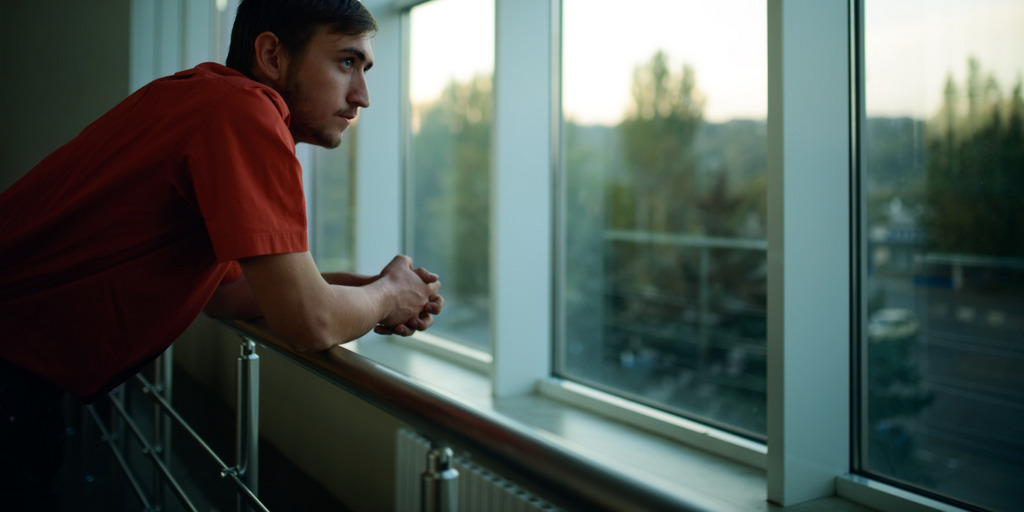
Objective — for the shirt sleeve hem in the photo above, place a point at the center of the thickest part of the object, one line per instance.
(262, 244)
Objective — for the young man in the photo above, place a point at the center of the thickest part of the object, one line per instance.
(186, 197)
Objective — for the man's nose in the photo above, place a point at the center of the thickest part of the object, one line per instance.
(358, 93)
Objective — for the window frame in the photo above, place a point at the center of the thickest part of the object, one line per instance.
(861, 484)
(812, 218)
(809, 240)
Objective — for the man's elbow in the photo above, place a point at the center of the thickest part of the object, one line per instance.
(309, 345)
(306, 340)
(233, 301)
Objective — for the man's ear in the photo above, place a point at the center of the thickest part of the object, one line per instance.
(271, 58)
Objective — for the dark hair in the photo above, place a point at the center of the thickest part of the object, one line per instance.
(293, 22)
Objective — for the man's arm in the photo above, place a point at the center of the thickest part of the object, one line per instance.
(311, 314)
(348, 279)
(233, 300)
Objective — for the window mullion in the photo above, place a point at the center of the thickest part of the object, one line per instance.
(809, 259)
(378, 230)
(521, 196)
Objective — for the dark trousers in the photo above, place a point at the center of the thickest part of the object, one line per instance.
(31, 441)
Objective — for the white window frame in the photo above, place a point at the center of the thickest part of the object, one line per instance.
(809, 237)
(809, 240)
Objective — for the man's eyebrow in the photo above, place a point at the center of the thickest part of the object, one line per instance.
(358, 53)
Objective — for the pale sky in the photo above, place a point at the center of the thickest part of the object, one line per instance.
(449, 39)
(912, 45)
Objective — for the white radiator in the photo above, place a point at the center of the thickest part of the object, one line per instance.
(480, 490)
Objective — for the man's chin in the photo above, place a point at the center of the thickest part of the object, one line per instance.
(331, 144)
(325, 140)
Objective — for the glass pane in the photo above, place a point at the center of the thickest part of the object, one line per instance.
(942, 382)
(663, 284)
(451, 63)
(333, 198)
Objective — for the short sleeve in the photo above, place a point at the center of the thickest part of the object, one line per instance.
(246, 178)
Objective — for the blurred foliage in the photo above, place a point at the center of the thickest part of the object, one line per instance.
(975, 170)
(450, 171)
(644, 203)
(657, 136)
(334, 199)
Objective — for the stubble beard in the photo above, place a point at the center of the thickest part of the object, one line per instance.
(300, 127)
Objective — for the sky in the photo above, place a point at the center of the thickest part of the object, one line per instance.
(437, 28)
(911, 47)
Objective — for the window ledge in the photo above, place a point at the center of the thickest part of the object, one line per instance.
(710, 480)
(886, 497)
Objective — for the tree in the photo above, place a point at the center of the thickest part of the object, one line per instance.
(450, 178)
(975, 169)
(658, 136)
(678, 302)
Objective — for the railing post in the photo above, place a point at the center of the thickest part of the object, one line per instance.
(117, 436)
(440, 482)
(247, 419)
(161, 422)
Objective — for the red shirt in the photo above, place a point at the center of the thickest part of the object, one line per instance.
(112, 245)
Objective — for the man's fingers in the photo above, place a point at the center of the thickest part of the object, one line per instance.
(435, 304)
(406, 329)
(426, 275)
(401, 261)
(425, 321)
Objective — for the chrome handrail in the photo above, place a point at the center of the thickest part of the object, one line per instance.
(244, 489)
(243, 475)
(508, 447)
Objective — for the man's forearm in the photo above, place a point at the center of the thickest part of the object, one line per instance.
(348, 278)
(310, 314)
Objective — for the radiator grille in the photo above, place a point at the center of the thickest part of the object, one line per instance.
(480, 490)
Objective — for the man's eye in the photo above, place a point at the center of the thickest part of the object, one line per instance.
(348, 63)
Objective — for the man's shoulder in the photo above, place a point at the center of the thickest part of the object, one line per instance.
(225, 88)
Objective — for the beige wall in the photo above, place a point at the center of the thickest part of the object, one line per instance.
(65, 64)
(341, 442)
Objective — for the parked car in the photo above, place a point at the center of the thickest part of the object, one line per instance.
(892, 324)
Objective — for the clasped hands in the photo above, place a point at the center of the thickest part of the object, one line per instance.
(416, 298)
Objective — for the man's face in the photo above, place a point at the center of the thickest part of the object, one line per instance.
(325, 86)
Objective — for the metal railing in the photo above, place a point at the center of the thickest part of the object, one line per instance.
(544, 467)
(243, 474)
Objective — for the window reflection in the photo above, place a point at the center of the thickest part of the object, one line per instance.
(449, 158)
(942, 171)
(663, 283)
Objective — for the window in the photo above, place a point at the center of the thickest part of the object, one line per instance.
(451, 63)
(660, 258)
(333, 204)
(942, 276)
(662, 245)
